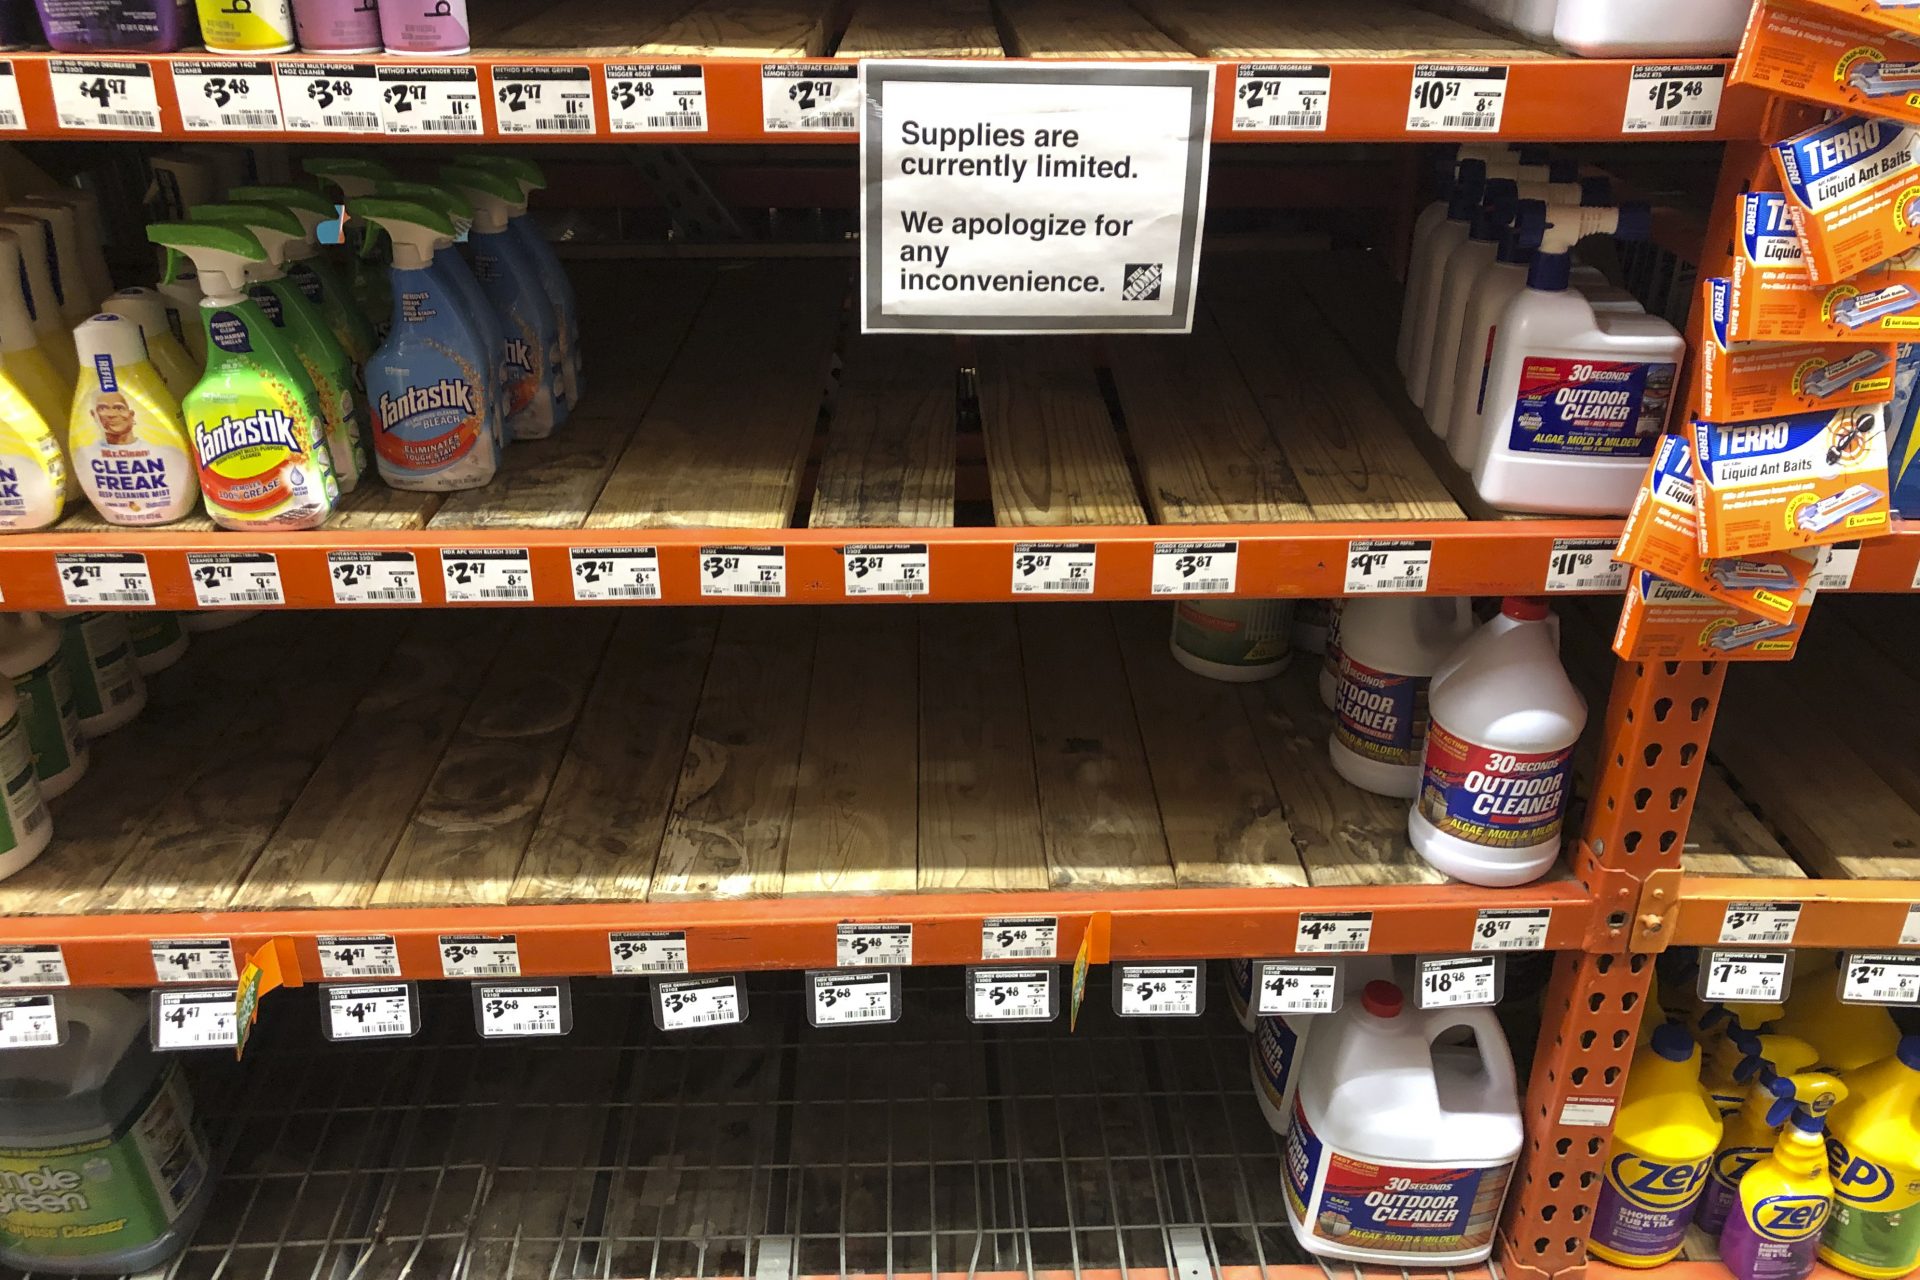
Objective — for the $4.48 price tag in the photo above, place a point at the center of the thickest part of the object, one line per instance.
(1459, 982)
(1340, 931)
(1668, 97)
(1287, 986)
(1744, 975)
(1874, 977)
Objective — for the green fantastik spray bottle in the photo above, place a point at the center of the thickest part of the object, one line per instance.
(323, 283)
(352, 177)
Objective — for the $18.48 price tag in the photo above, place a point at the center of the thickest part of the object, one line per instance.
(1459, 982)
(1881, 978)
(1744, 975)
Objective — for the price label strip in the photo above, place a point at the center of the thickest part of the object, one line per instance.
(752, 572)
(684, 1004)
(29, 1022)
(656, 97)
(887, 569)
(1760, 922)
(999, 994)
(365, 955)
(873, 945)
(373, 577)
(662, 951)
(227, 94)
(1512, 928)
(1020, 938)
(430, 101)
(1584, 564)
(1159, 990)
(98, 94)
(13, 116)
(1456, 98)
(809, 97)
(1674, 97)
(1459, 982)
(370, 1011)
(202, 1018)
(1397, 567)
(329, 97)
(523, 1010)
(1287, 986)
(1881, 977)
(235, 579)
(479, 575)
(479, 955)
(193, 960)
(537, 99)
(1333, 931)
(615, 573)
(33, 964)
(1195, 568)
(1054, 568)
(1910, 931)
(91, 579)
(1282, 97)
(839, 998)
(1835, 568)
(1744, 975)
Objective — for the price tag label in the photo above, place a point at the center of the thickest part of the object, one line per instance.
(1512, 928)
(873, 945)
(235, 579)
(681, 1004)
(520, 1010)
(193, 960)
(1834, 570)
(479, 955)
(656, 97)
(1012, 995)
(1459, 982)
(662, 951)
(887, 569)
(203, 1018)
(90, 579)
(615, 573)
(1333, 931)
(1053, 568)
(758, 572)
(809, 97)
(1397, 567)
(1281, 97)
(1195, 568)
(543, 99)
(1019, 938)
(1584, 564)
(12, 114)
(840, 998)
(437, 100)
(1760, 922)
(29, 1022)
(1910, 932)
(329, 97)
(1880, 977)
(95, 94)
(33, 964)
(1282, 986)
(1674, 97)
(362, 1011)
(1456, 98)
(373, 577)
(368, 955)
(483, 576)
(227, 94)
(1744, 975)
(1159, 990)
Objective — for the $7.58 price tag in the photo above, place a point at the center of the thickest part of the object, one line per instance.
(1744, 975)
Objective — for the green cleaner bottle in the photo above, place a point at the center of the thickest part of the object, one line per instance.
(309, 268)
(351, 177)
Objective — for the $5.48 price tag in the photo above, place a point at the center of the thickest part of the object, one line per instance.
(1872, 977)
(1019, 938)
(1674, 98)
(1012, 995)
(1744, 975)
(1159, 990)
(1459, 982)
(873, 945)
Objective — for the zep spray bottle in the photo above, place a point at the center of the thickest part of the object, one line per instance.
(553, 275)
(1784, 1199)
(254, 419)
(1389, 648)
(428, 380)
(1664, 1137)
(31, 657)
(1873, 1154)
(1750, 1132)
(35, 473)
(535, 394)
(309, 268)
(1848, 1036)
(147, 309)
(353, 176)
(129, 443)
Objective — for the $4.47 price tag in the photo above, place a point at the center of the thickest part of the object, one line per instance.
(191, 960)
(371, 955)
(1459, 982)
(1874, 977)
(203, 1018)
(1159, 990)
(377, 1011)
(1744, 975)
(1668, 97)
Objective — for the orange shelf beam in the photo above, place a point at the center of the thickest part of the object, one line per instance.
(1858, 914)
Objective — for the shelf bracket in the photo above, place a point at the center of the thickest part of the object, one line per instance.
(1653, 919)
(1188, 1247)
(775, 1259)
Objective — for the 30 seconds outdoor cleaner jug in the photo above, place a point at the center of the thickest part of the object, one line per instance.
(1389, 647)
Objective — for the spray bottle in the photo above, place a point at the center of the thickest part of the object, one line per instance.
(53, 336)
(181, 297)
(1848, 1036)
(1873, 1153)
(351, 177)
(1664, 1137)
(307, 267)
(535, 399)
(1785, 1197)
(1754, 1125)
(146, 309)
(254, 419)
(428, 381)
(36, 479)
(129, 444)
(553, 276)
(90, 260)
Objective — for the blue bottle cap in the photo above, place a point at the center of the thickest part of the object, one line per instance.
(1909, 1052)
(1669, 1041)
(1563, 169)
(1636, 222)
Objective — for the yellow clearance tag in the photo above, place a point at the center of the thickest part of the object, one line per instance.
(273, 965)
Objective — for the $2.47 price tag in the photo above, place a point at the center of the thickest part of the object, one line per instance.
(1872, 977)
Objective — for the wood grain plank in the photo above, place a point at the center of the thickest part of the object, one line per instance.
(1222, 816)
(1311, 30)
(1838, 660)
(745, 29)
(480, 808)
(1052, 455)
(600, 829)
(855, 810)
(733, 807)
(920, 29)
(375, 506)
(889, 456)
(1084, 29)
(1726, 839)
(1096, 793)
(979, 806)
(588, 28)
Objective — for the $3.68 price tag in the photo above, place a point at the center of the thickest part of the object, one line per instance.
(1872, 977)
(523, 1009)
(479, 955)
(1744, 975)
(659, 952)
(841, 998)
(683, 1004)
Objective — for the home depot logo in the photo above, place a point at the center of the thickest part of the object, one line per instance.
(1142, 283)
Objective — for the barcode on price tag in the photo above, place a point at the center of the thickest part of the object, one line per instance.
(235, 579)
(373, 577)
(434, 101)
(758, 572)
(90, 579)
(1459, 982)
(329, 97)
(1744, 975)
(370, 1011)
(33, 964)
(680, 1004)
(661, 951)
(1019, 938)
(1512, 928)
(839, 998)
(1584, 564)
(1834, 569)
(887, 569)
(479, 955)
(1910, 932)
(362, 955)
(1053, 568)
(202, 1018)
(1288, 986)
(1344, 931)
(998, 994)
(1674, 97)
(1159, 990)
(543, 99)
(1456, 98)
(1749, 922)
(1195, 568)
(615, 573)
(191, 960)
(518, 1010)
(474, 575)
(29, 1022)
(1399, 566)
(809, 97)
(12, 114)
(1281, 97)
(873, 945)
(227, 94)
(1880, 977)
(95, 94)
(656, 97)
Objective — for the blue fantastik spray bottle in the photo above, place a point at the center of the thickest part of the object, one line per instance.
(427, 383)
(559, 286)
(535, 393)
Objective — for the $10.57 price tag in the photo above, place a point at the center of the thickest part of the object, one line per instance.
(1456, 98)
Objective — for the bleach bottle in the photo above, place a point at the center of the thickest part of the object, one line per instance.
(308, 268)
(427, 381)
(1664, 1137)
(1774, 1233)
(1404, 1132)
(1390, 647)
(553, 276)
(534, 391)
(1873, 1154)
(1750, 1133)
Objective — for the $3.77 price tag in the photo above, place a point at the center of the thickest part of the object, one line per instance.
(1770, 923)
(1744, 975)
(1872, 977)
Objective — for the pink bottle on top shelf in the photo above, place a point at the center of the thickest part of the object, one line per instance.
(432, 28)
(337, 26)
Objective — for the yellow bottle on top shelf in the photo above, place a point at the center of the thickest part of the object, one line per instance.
(1664, 1137)
(1755, 1125)
(1784, 1200)
(1735, 1058)
(1848, 1036)
(1873, 1155)
(36, 480)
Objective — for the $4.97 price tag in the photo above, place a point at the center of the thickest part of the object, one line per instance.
(1873, 977)
(202, 1018)
(1744, 975)
(1459, 982)
(1674, 98)
(93, 94)
(1159, 990)
(1288, 986)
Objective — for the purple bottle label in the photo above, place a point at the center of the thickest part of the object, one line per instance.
(424, 26)
(1645, 1205)
(1778, 1237)
(1722, 1196)
(337, 26)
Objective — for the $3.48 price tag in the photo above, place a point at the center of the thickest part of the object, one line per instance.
(1459, 982)
(656, 97)
(1286, 986)
(1674, 98)
(1744, 975)
(1872, 977)
(329, 97)
(227, 94)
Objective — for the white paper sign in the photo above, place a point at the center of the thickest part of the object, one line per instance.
(1750, 922)
(1011, 995)
(371, 955)
(1019, 937)
(1394, 566)
(189, 960)
(227, 94)
(33, 964)
(204, 1018)
(12, 114)
(1017, 198)
(470, 955)
(373, 577)
(1910, 931)
(1745, 975)
(543, 99)
(369, 1012)
(94, 94)
(1449, 97)
(1458, 983)
(615, 573)
(664, 951)
(1584, 564)
(329, 97)
(656, 97)
(1158, 990)
(887, 569)
(1674, 97)
(235, 579)
(90, 579)
(1880, 978)
(437, 100)
(486, 575)
(743, 571)
(1054, 568)
(873, 945)
(1281, 97)
(1195, 568)
(29, 1022)
(1333, 931)
(809, 97)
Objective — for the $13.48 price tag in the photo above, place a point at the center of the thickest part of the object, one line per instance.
(1674, 98)
(1459, 982)
(1881, 978)
(1744, 975)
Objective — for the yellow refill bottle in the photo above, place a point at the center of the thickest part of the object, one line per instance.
(1770, 1074)
(1785, 1197)
(1848, 1036)
(1873, 1154)
(35, 480)
(1664, 1138)
(128, 441)
(146, 308)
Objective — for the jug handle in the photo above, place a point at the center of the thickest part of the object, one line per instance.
(1498, 1066)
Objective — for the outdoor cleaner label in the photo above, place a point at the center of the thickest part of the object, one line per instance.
(51, 716)
(1875, 1226)
(1645, 1205)
(1591, 408)
(1495, 799)
(1380, 715)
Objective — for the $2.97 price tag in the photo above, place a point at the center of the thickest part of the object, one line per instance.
(1872, 977)
(89, 579)
(235, 579)
(432, 101)
(1744, 975)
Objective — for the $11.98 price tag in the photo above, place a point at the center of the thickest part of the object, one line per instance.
(1881, 978)
(1744, 975)
(1584, 564)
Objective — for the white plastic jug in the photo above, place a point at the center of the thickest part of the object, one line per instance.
(1631, 28)
(1389, 647)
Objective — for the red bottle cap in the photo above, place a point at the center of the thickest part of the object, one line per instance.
(1524, 608)
(1382, 1000)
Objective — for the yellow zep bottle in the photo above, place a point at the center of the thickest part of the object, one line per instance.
(1848, 1036)
(1873, 1153)
(1663, 1143)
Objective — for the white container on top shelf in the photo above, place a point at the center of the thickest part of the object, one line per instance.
(1636, 28)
